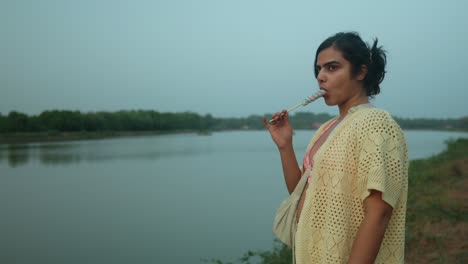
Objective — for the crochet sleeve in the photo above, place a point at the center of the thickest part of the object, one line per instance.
(382, 164)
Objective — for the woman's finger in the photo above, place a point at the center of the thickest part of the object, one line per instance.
(265, 123)
(278, 117)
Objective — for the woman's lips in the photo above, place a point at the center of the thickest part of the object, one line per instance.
(325, 90)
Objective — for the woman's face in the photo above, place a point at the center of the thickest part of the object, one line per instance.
(336, 79)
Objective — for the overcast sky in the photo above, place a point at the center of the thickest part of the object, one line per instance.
(227, 58)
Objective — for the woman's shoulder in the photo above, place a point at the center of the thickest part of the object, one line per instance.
(373, 114)
(373, 118)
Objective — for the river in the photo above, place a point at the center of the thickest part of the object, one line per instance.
(156, 199)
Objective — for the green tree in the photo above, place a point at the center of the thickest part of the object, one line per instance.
(17, 122)
(3, 123)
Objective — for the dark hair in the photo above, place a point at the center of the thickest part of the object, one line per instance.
(359, 53)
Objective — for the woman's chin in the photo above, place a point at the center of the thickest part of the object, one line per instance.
(329, 102)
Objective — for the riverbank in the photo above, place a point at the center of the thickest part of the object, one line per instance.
(437, 216)
(437, 212)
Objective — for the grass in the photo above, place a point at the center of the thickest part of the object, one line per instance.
(437, 213)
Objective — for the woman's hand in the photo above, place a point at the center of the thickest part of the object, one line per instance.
(280, 130)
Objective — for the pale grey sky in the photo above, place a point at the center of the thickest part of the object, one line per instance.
(226, 58)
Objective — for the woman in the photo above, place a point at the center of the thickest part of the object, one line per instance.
(353, 206)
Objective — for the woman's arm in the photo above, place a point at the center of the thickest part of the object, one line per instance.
(281, 132)
(372, 230)
(291, 170)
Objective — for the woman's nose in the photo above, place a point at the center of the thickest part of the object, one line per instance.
(321, 77)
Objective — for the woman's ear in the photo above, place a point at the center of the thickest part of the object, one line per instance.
(362, 73)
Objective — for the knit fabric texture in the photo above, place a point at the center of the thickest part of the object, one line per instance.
(366, 151)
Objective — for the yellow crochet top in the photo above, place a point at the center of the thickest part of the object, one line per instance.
(366, 151)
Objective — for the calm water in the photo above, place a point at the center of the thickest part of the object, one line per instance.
(160, 199)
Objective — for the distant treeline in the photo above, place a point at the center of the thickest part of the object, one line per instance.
(147, 120)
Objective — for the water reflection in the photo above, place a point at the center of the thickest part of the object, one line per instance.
(54, 155)
(21, 154)
(17, 155)
(103, 150)
(421, 144)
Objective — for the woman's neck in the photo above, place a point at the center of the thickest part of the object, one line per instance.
(351, 102)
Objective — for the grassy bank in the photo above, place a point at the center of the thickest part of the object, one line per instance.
(437, 215)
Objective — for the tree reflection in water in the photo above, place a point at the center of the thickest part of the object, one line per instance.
(19, 154)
